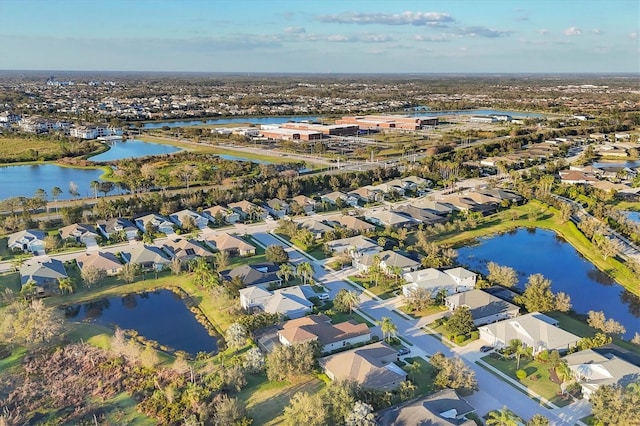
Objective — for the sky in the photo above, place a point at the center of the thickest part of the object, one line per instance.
(329, 36)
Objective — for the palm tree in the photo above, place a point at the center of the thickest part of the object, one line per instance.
(563, 372)
(55, 194)
(28, 289)
(65, 285)
(305, 271)
(388, 328)
(351, 299)
(221, 260)
(414, 369)
(517, 347)
(285, 271)
(503, 417)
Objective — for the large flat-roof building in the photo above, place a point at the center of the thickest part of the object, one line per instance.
(328, 130)
(291, 134)
(402, 122)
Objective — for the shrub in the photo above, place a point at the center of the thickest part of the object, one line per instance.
(460, 338)
(543, 356)
(475, 335)
(521, 374)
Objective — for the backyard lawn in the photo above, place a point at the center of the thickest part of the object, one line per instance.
(444, 333)
(431, 310)
(423, 377)
(380, 290)
(266, 400)
(543, 385)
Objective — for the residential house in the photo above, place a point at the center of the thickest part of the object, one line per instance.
(467, 203)
(593, 370)
(503, 195)
(248, 210)
(367, 194)
(333, 197)
(537, 331)
(231, 244)
(443, 408)
(317, 228)
(386, 218)
(419, 215)
(357, 244)
(45, 273)
(389, 261)
(277, 208)
(118, 224)
(80, 232)
(185, 250)
(350, 222)
(308, 204)
(435, 207)
(262, 274)
(290, 302)
(180, 217)
(371, 366)
(391, 188)
(318, 328)
(148, 257)
(105, 261)
(28, 241)
(453, 281)
(484, 307)
(159, 222)
(228, 215)
(576, 177)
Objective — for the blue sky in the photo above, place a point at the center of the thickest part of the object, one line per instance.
(374, 36)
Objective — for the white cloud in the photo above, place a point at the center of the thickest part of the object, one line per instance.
(477, 31)
(404, 18)
(597, 31)
(572, 31)
(633, 35)
(435, 38)
(543, 32)
(294, 30)
(361, 37)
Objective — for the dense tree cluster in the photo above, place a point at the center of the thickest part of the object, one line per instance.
(453, 373)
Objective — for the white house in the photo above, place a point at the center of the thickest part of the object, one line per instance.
(289, 302)
(30, 240)
(180, 217)
(484, 307)
(148, 257)
(229, 216)
(453, 280)
(159, 222)
(118, 224)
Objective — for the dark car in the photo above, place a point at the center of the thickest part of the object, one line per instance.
(486, 348)
(403, 351)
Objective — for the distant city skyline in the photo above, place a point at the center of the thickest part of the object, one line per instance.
(322, 36)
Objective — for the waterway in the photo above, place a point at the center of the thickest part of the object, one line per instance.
(541, 251)
(23, 181)
(161, 316)
(245, 119)
(133, 148)
(481, 111)
(630, 163)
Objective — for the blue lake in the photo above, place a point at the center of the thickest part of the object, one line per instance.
(634, 216)
(541, 251)
(246, 119)
(23, 181)
(238, 158)
(133, 148)
(161, 316)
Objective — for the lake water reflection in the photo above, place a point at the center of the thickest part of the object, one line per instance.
(133, 148)
(541, 251)
(160, 315)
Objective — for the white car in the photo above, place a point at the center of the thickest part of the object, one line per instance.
(323, 296)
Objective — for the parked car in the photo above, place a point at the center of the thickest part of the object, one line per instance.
(404, 351)
(323, 296)
(486, 348)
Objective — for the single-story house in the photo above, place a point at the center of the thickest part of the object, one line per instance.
(148, 257)
(350, 222)
(503, 195)
(248, 210)
(333, 197)
(319, 328)
(159, 222)
(435, 207)
(264, 274)
(30, 240)
(592, 370)
(453, 280)
(537, 331)
(199, 220)
(106, 261)
(229, 216)
(277, 208)
(231, 244)
(371, 366)
(185, 250)
(443, 408)
(317, 228)
(388, 260)
(308, 204)
(419, 215)
(118, 224)
(46, 274)
(367, 194)
(78, 232)
(389, 218)
(391, 188)
(484, 307)
(290, 302)
(357, 244)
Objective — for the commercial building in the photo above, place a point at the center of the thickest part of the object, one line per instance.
(402, 122)
(328, 130)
